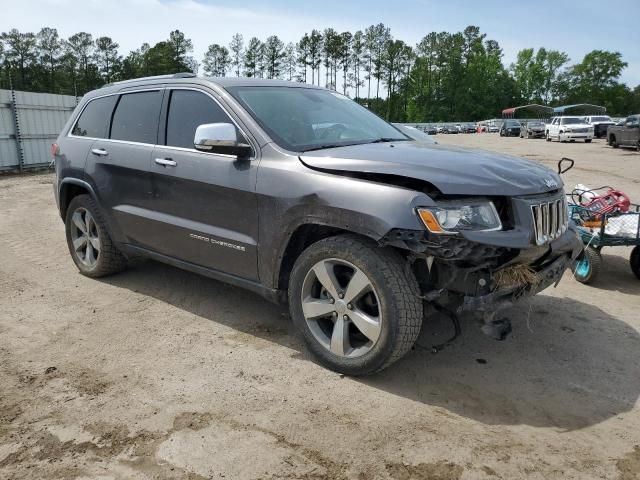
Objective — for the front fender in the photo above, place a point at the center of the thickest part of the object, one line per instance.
(291, 195)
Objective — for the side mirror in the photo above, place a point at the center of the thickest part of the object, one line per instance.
(220, 138)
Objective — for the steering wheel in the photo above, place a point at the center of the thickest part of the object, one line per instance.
(334, 131)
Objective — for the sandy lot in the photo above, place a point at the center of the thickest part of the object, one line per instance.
(159, 373)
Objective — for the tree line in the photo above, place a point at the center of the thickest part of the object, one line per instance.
(445, 77)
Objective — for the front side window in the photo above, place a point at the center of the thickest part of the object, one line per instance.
(94, 119)
(136, 117)
(189, 109)
(302, 119)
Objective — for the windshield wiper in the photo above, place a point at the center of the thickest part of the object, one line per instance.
(329, 145)
(337, 145)
(387, 140)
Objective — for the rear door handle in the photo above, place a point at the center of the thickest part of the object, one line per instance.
(166, 162)
(101, 152)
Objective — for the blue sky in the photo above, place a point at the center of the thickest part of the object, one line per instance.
(575, 27)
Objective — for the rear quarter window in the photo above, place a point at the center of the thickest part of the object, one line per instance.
(95, 117)
(136, 117)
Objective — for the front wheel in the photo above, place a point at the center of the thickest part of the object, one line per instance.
(89, 243)
(587, 140)
(588, 265)
(547, 137)
(356, 304)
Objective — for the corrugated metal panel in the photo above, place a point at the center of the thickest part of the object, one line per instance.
(41, 117)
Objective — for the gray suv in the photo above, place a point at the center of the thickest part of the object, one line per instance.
(305, 197)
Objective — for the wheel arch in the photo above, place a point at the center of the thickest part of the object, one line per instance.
(301, 238)
(70, 188)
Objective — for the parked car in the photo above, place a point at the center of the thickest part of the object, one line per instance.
(493, 128)
(510, 128)
(568, 128)
(600, 124)
(307, 198)
(532, 129)
(416, 134)
(469, 128)
(626, 135)
(430, 130)
(450, 129)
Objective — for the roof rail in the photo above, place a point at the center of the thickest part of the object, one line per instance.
(155, 77)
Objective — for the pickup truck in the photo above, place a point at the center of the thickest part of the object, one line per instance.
(568, 129)
(625, 135)
(600, 124)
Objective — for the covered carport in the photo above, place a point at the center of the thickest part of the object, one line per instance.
(580, 109)
(528, 111)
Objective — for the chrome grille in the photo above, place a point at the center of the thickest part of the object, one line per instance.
(550, 220)
(580, 130)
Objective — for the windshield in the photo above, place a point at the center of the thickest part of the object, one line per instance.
(302, 119)
(414, 133)
(536, 124)
(571, 121)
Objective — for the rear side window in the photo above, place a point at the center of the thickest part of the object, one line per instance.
(94, 119)
(136, 117)
(187, 110)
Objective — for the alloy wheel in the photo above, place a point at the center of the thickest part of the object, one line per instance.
(85, 238)
(341, 308)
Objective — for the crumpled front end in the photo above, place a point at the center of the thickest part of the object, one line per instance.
(484, 270)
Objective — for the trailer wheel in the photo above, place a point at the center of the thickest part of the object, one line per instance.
(634, 260)
(587, 266)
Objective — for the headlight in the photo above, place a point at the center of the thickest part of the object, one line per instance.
(456, 217)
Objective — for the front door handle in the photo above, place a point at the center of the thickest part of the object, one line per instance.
(101, 152)
(166, 162)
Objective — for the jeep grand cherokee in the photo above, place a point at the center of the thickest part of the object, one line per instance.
(302, 195)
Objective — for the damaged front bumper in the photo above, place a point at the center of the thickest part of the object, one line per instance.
(550, 274)
(468, 273)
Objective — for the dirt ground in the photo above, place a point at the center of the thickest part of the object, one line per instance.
(159, 373)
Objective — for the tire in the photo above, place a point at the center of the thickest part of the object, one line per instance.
(612, 141)
(638, 146)
(634, 261)
(587, 140)
(547, 137)
(105, 258)
(587, 266)
(392, 299)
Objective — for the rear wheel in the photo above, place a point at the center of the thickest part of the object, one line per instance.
(547, 137)
(612, 141)
(89, 243)
(634, 261)
(587, 140)
(588, 265)
(356, 304)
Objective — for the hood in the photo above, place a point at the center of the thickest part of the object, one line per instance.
(452, 170)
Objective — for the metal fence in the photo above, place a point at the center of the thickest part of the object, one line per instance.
(29, 124)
